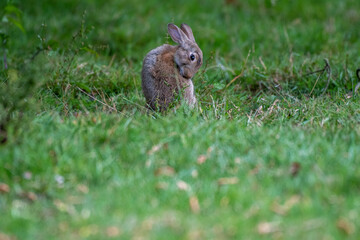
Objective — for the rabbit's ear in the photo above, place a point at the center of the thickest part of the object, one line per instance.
(176, 34)
(187, 30)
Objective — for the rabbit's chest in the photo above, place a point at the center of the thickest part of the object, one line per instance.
(167, 74)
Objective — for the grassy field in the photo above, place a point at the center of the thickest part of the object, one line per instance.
(270, 152)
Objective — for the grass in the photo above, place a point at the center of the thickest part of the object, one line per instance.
(266, 154)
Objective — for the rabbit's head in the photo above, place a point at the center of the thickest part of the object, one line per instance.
(188, 56)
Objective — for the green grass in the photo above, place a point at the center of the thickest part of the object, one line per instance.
(272, 154)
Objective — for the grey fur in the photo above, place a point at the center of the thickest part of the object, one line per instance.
(167, 71)
(147, 76)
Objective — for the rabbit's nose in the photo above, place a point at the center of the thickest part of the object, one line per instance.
(186, 73)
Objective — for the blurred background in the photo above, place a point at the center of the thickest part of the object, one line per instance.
(273, 28)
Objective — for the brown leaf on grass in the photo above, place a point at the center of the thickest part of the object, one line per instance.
(154, 149)
(113, 231)
(195, 234)
(201, 159)
(82, 188)
(267, 228)
(63, 226)
(165, 146)
(255, 170)
(148, 163)
(164, 171)
(194, 173)
(227, 181)
(162, 185)
(194, 204)
(3, 236)
(295, 168)
(182, 185)
(284, 209)
(74, 200)
(148, 224)
(29, 196)
(157, 147)
(4, 188)
(87, 231)
(64, 207)
(345, 226)
(230, 2)
(224, 202)
(237, 160)
(252, 211)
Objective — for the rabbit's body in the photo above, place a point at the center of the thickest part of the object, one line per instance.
(167, 73)
(162, 80)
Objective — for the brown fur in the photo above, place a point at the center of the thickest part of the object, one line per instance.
(167, 73)
(168, 80)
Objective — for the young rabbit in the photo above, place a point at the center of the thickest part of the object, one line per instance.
(167, 70)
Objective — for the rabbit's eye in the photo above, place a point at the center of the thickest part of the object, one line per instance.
(192, 57)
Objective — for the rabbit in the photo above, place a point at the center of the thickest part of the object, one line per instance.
(168, 70)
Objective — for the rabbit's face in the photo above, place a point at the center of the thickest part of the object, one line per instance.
(188, 56)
